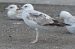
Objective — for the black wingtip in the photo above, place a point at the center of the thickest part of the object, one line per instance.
(57, 24)
(49, 24)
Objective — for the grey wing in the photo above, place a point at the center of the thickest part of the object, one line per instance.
(35, 13)
(41, 18)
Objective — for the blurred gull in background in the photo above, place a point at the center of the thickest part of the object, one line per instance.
(13, 12)
(68, 19)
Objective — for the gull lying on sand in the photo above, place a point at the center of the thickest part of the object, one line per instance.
(35, 19)
(68, 19)
(13, 12)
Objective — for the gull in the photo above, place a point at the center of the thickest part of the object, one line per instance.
(35, 19)
(13, 12)
(68, 19)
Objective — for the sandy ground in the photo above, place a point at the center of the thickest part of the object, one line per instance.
(22, 35)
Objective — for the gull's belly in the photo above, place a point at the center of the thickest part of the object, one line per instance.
(31, 24)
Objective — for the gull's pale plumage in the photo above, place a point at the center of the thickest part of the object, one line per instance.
(68, 19)
(13, 12)
(35, 19)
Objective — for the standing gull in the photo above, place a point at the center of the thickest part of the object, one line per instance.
(68, 19)
(35, 19)
(13, 12)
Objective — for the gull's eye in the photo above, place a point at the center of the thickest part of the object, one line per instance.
(25, 6)
(11, 7)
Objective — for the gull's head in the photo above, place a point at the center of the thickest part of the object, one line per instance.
(12, 7)
(65, 14)
(28, 7)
